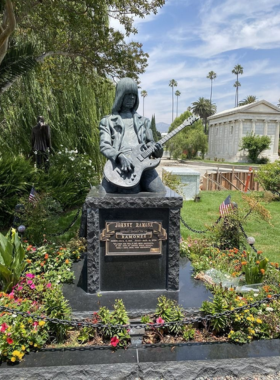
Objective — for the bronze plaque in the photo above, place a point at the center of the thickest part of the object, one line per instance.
(133, 238)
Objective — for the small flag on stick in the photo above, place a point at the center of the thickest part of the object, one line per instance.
(225, 207)
(32, 195)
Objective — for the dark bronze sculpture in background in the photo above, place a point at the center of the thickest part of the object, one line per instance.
(121, 134)
(41, 143)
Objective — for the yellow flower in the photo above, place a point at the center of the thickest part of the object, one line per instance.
(31, 343)
(13, 359)
(16, 353)
(258, 320)
(23, 348)
(42, 323)
(249, 337)
(22, 326)
(35, 345)
(246, 311)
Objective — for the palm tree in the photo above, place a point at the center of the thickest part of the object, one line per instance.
(211, 75)
(172, 84)
(144, 94)
(236, 85)
(238, 69)
(248, 100)
(203, 108)
(177, 93)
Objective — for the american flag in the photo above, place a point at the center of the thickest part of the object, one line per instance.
(32, 195)
(225, 207)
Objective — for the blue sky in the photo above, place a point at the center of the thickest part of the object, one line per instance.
(189, 38)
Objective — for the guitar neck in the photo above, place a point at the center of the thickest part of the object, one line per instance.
(162, 141)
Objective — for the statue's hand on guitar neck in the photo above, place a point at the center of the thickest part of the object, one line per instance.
(157, 149)
(126, 163)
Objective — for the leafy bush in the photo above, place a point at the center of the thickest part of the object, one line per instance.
(255, 144)
(69, 177)
(269, 176)
(39, 217)
(16, 177)
(11, 260)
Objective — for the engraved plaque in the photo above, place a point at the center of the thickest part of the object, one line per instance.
(133, 238)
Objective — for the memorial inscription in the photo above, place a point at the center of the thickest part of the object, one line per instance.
(133, 238)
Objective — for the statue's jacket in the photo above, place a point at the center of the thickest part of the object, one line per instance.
(112, 131)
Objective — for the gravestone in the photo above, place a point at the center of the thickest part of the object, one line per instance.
(190, 180)
(133, 240)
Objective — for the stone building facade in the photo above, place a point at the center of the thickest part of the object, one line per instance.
(227, 128)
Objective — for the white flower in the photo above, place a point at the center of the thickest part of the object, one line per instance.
(68, 269)
(256, 295)
(59, 276)
(268, 309)
(259, 312)
(59, 152)
(57, 281)
(38, 269)
(14, 315)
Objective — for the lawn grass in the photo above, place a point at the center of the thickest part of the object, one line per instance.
(198, 215)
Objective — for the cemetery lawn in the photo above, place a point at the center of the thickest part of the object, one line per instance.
(203, 214)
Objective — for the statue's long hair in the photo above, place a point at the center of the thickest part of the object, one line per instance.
(125, 86)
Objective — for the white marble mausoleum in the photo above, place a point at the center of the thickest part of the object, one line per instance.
(227, 128)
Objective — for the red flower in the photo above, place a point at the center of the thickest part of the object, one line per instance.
(160, 320)
(114, 341)
(4, 327)
(9, 341)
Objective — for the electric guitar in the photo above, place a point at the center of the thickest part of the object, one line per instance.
(141, 160)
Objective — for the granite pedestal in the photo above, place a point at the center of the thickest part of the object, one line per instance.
(136, 270)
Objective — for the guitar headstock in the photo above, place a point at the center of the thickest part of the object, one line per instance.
(191, 120)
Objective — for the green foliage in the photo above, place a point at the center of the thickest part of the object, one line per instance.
(227, 233)
(69, 177)
(11, 260)
(156, 134)
(204, 108)
(250, 99)
(18, 61)
(188, 332)
(38, 217)
(52, 261)
(255, 144)
(21, 335)
(16, 176)
(74, 108)
(170, 311)
(81, 30)
(188, 141)
(254, 267)
(104, 316)
(269, 176)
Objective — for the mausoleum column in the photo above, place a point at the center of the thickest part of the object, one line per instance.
(265, 128)
(253, 126)
(276, 138)
(240, 132)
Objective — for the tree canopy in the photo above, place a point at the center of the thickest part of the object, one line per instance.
(189, 141)
(81, 29)
(255, 145)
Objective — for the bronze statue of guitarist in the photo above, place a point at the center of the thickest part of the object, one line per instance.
(123, 135)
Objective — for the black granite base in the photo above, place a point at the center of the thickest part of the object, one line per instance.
(135, 271)
(189, 361)
(190, 295)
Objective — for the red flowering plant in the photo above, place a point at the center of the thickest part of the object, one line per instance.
(115, 336)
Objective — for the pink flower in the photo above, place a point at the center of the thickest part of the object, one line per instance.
(30, 275)
(29, 282)
(49, 285)
(35, 324)
(114, 341)
(9, 341)
(20, 287)
(11, 295)
(32, 286)
(159, 320)
(34, 249)
(4, 327)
